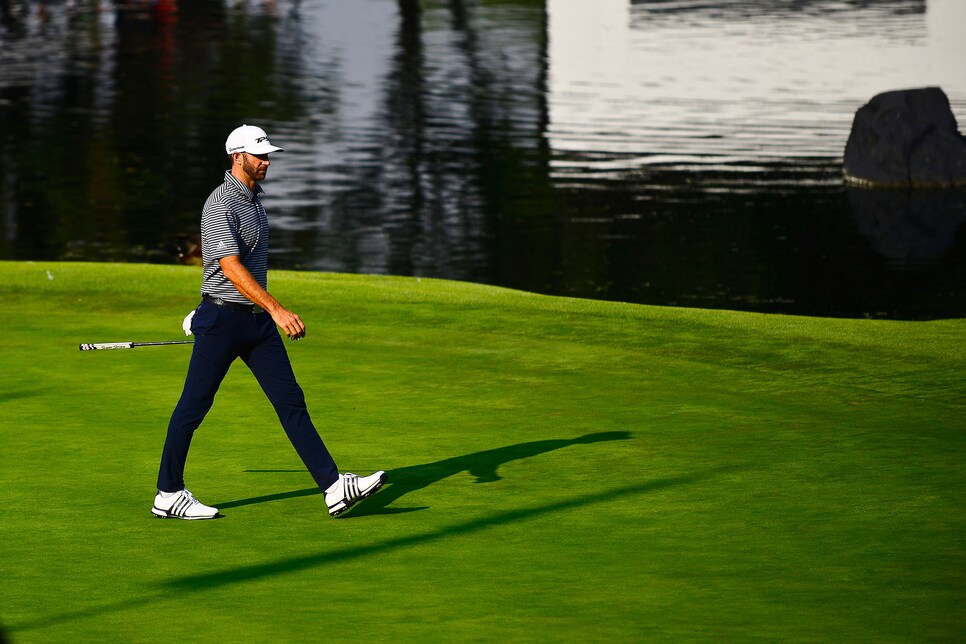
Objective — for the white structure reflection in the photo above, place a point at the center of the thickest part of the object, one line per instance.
(728, 84)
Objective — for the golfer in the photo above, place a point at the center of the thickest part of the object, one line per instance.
(237, 319)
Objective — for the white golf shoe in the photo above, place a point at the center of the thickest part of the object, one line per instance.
(182, 505)
(350, 489)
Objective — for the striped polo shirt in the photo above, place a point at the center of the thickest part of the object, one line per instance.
(233, 222)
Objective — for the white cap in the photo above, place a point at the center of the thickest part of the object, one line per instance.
(251, 139)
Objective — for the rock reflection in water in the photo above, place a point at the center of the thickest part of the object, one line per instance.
(909, 226)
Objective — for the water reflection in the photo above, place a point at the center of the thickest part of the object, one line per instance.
(698, 84)
(679, 152)
(909, 226)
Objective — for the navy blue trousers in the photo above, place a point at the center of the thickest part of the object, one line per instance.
(221, 336)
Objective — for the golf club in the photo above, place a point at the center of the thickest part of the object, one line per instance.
(95, 346)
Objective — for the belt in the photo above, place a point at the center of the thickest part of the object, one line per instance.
(236, 307)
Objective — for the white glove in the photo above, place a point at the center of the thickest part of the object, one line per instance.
(186, 325)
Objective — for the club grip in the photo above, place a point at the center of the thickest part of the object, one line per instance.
(105, 345)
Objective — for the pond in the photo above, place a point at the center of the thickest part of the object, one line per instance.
(670, 152)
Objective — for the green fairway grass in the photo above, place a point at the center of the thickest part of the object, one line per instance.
(559, 470)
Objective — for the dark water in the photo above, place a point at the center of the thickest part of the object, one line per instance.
(682, 152)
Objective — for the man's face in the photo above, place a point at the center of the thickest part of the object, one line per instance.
(255, 165)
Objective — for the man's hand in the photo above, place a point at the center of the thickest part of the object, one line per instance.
(240, 276)
(289, 322)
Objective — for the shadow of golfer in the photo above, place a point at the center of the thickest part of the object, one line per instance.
(482, 465)
(401, 481)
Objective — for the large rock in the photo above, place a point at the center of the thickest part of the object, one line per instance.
(906, 138)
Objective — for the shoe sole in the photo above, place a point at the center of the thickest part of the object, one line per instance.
(375, 488)
(161, 514)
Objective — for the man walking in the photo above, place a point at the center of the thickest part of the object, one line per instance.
(237, 319)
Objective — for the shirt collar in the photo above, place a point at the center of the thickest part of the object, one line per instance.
(242, 188)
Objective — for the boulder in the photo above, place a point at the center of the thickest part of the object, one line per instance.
(906, 138)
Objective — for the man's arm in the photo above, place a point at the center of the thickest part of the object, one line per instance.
(246, 284)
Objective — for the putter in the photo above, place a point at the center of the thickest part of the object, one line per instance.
(96, 346)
